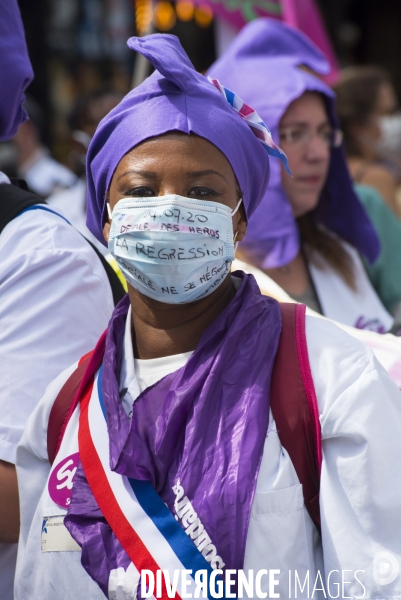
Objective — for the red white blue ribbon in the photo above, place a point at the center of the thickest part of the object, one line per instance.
(257, 125)
(143, 524)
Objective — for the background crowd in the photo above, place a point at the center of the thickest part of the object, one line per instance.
(78, 47)
(325, 78)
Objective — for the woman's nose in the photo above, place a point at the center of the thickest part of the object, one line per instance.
(317, 149)
(171, 188)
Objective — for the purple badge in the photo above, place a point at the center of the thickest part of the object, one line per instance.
(62, 479)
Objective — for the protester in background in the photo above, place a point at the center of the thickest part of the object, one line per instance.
(274, 68)
(173, 408)
(367, 107)
(43, 174)
(88, 111)
(55, 297)
(384, 272)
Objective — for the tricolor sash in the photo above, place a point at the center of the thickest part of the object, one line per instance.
(141, 521)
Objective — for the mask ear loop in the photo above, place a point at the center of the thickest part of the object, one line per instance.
(235, 243)
(109, 211)
(237, 207)
(236, 233)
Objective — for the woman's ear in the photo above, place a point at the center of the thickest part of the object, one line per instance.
(241, 226)
(107, 225)
(106, 231)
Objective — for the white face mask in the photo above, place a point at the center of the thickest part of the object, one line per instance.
(390, 140)
(172, 249)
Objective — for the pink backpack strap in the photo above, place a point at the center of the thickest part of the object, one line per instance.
(60, 411)
(70, 395)
(294, 405)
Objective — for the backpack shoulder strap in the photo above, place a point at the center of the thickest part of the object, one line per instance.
(13, 200)
(60, 411)
(294, 405)
(117, 288)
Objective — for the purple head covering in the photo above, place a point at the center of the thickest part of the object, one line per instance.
(15, 70)
(262, 66)
(174, 98)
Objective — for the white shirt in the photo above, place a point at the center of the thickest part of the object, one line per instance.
(137, 375)
(360, 416)
(55, 300)
(72, 204)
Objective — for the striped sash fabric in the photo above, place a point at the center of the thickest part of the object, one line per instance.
(257, 125)
(145, 527)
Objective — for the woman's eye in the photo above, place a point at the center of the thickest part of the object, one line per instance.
(292, 135)
(201, 192)
(141, 192)
(297, 135)
(326, 135)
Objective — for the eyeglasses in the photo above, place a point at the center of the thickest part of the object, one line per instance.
(301, 136)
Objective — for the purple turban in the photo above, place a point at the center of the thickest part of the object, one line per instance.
(174, 98)
(15, 70)
(261, 65)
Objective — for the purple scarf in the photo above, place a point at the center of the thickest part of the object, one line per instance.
(204, 424)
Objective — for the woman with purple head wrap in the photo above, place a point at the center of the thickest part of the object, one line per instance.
(171, 429)
(308, 231)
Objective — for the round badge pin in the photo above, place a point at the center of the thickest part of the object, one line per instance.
(61, 480)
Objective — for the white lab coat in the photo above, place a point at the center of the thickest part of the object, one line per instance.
(360, 416)
(71, 203)
(55, 300)
(360, 308)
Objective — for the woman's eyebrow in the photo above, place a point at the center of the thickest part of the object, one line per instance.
(205, 172)
(153, 174)
(148, 174)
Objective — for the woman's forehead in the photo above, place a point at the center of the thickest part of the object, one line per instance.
(308, 107)
(178, 149)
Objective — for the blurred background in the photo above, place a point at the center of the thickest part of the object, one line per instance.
(82, 66)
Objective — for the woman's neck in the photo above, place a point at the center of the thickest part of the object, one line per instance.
(294, 278)
(165, 329)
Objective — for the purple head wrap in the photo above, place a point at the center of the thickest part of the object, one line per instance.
(174, 98)
(262, 66)
(15, 70)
